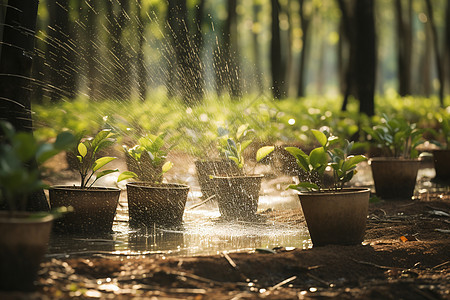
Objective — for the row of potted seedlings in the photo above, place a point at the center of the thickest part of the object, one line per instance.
(334, 213)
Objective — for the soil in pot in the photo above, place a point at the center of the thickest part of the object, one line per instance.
(394, 178)
(441, 160)
(160, 205)
(238, 196)
(208, 168)
(23, 244)
(336, 217)
(93, 209)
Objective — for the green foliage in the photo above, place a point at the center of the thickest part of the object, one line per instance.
(147, 159)
(87, 161)
(232, 146)
(314, 165)
(397, 137)
(443, 119)
(194, 129)
(19, 154)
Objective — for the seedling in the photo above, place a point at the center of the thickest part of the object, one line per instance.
(88, 163)
(396, 137)
(148, 158)
(314, 165)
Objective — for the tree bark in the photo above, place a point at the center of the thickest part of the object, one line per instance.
(304, 23)
(404, 46)
(275, 53)
(120, 58)
(233, 72)
(15, 69)
(347, 57)
(359, 28)
(142, 80)
(365, 55)
(59, 53)
(196, 55)
(437, 56)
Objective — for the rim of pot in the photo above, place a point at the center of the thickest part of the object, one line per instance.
(237, 176)
(77, 188)
(344, 191)
(393, 159)
(157, 185)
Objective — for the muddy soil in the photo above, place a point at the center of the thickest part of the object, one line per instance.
(405, 255)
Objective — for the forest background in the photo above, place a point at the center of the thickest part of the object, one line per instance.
(125, 49)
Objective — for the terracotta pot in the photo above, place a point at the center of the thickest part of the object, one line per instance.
(441, 160)
(23, 243)
(94, 208)
(207, 168)
(237, 196)
(160, 205)
(394, 178)
(336, 217)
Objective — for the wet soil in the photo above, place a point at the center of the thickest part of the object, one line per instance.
(405, 255)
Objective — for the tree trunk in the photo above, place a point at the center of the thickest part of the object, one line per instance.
(179, 32)
(196, 55)
(275, 53)
(446, 49)
(142, 80)
(15, 69)
(304, 23)
(437, 56)
(347, 50)
(404, 46)
(119, 88)
(365, 55)
(91, 50)
(256, 50)
(233, 72)
(59, 53)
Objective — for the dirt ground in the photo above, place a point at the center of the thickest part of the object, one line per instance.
(405, 255)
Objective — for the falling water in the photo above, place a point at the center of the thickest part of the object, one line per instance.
(141, 54)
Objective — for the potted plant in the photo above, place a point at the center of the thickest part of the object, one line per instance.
(94, 207)
(395, 173)
(441, 156)
(150, 201)
(335, 215)
(207, 167)
(24, 235)
(237, 194)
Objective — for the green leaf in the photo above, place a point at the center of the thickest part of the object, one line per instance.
(100, 137)
(318, 157)
(300, 156)
(304, 186)
(82, 149)
(44, 152)
(245, 144)
(235, 159)
(352, 161)
(65, 140)
(167, 166)
(102, 161)
(320, 137)
(240, 131)
(264, 151)
(126, 175)
(105, 172)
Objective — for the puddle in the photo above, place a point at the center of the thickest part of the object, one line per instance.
(204, 233)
